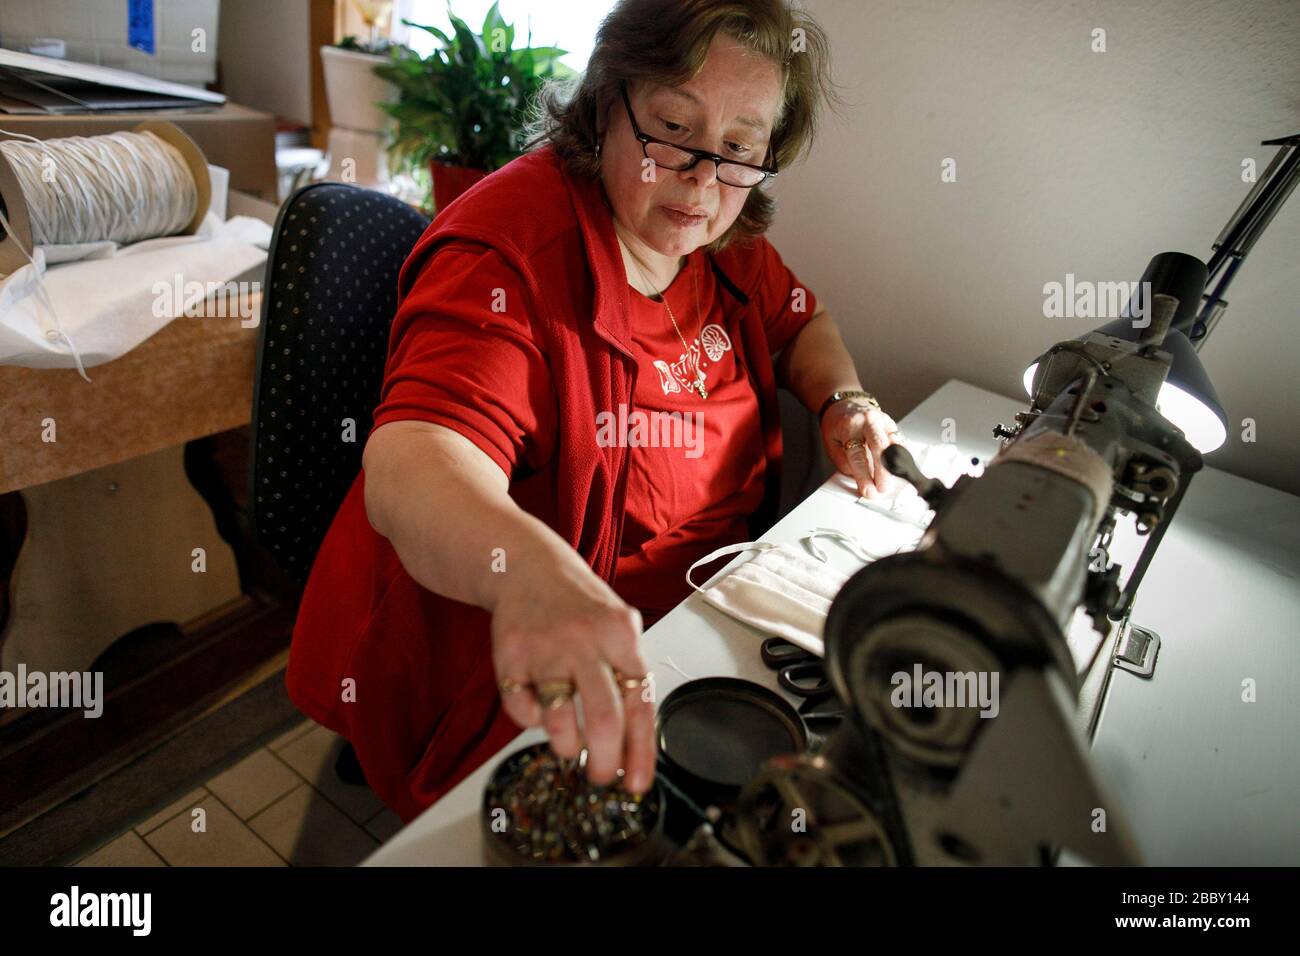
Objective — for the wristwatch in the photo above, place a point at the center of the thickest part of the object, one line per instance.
(847, 393)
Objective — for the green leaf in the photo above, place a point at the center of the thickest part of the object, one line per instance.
(469, 46)
(546, 52)
(465, 102)
(428, 29)
(492, 20)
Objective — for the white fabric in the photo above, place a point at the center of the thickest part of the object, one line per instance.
(104, 299)
(785, 592)
(782, 590)
(944, 461)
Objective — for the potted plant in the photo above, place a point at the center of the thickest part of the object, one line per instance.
(460, 110)
(352, 89)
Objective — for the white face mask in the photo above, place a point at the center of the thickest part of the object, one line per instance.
(783, 590)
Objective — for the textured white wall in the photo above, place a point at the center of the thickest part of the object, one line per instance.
(1067, 161)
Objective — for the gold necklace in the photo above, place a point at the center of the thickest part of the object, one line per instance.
(699, 376)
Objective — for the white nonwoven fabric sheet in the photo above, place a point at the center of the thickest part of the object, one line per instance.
(110, 298)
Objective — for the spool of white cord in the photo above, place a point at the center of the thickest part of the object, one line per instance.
(122, 187)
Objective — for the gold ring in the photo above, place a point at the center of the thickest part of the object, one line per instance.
(554, 694)
(509, 685)
(854, 443)
(628, 683)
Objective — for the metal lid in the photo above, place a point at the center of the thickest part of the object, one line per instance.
(719, 731)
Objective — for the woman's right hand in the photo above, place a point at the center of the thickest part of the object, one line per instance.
(565, 623)
(553, 618)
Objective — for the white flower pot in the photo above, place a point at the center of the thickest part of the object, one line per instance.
(357, 156)
(352, 89)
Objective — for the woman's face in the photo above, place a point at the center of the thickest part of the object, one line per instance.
(728, 108)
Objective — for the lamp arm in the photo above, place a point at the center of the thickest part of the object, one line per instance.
(1243, 229)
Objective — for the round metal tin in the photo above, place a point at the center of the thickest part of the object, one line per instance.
(715, 734)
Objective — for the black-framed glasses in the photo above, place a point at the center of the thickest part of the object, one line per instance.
(681, 158)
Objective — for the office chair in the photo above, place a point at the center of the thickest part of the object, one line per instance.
(328, 302)
(804, 464)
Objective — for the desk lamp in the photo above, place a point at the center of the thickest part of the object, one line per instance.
(1187, 397)
(1178, 282)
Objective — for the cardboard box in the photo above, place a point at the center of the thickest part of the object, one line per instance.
(163, 44)
(235, 137)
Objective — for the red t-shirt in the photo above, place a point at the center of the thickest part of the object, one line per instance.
(484, 375)
(694, 495)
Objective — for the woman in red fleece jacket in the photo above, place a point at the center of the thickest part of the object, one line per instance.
(579, 402)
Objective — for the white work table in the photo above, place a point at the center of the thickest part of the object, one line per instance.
(1203, 777)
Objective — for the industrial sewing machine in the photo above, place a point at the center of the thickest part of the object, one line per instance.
(920, 774)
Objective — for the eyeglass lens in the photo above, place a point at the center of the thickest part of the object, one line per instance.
(669, 157)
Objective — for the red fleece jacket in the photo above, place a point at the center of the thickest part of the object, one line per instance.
(406, 674)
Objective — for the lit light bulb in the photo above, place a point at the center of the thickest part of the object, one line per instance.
(1201, 426)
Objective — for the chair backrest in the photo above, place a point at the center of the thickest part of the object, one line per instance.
(328, 303)
(804, 466)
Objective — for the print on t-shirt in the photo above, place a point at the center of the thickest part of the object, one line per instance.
(673, 378)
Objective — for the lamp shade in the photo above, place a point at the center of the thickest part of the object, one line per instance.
(1187, 398)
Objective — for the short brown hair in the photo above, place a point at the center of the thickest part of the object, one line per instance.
(666, 41)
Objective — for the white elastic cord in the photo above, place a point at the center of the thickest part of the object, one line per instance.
(729, 549)
(849, 542)
(809, 541)
(43, 297)
(122, 187)
(53, 335)
(669, 662)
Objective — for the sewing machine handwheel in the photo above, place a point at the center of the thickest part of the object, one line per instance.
(798, 811)
(949, 618)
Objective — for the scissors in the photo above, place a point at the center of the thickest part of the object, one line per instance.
(797, 671)
(804, 675)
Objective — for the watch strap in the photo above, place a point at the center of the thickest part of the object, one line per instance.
(847, 393)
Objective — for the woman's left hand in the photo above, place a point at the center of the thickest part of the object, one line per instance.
(856, 433)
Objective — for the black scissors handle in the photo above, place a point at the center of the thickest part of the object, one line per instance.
(827, 708)
(805, 679)
(777, 652)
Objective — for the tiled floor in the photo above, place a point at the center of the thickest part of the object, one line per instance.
(282, 805)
